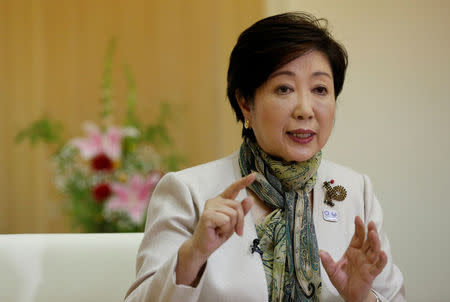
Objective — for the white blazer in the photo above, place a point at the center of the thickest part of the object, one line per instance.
(232, 273)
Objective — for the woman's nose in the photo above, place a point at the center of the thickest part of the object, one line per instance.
(303, 108)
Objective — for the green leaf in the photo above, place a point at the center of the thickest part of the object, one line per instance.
(131, 99)
(44, 130)
(173, 161)
(158, 132)
(106, 97)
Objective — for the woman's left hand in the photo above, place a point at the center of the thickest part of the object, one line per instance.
(363, 260)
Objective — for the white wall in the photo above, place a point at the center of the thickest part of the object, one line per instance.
(393, 123)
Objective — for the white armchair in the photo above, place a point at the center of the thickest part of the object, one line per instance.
(67, 267)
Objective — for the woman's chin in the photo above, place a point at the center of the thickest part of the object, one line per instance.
(300, 156)
(301, 152)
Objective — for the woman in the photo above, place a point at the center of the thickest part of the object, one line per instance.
(248, 227)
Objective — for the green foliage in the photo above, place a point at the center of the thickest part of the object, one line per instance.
(85, 212)
(131, 99)
(173, 161)
(42, 130)
(158, 131)
(106, 97)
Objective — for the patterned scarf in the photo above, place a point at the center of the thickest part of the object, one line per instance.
(287, 236)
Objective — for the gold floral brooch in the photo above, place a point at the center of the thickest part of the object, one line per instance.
(337, 193)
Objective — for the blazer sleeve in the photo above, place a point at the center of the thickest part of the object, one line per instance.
(389, 284)
(171, 220)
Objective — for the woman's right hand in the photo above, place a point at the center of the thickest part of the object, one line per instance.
(221, 217)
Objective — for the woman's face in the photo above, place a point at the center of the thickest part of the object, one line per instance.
(293, 111)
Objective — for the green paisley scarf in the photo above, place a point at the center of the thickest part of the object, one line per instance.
(287, 236)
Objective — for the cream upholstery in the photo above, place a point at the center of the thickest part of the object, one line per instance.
(67, 267)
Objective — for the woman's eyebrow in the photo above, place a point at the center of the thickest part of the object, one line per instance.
(292, 74)
(282, 72)
(320, 73)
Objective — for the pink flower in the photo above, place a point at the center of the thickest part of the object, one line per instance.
(133, 196)
(96, 142)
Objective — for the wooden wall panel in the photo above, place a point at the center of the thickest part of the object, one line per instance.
(51, 62)
(4, 107)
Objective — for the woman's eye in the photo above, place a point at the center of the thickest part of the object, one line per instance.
(321, 90)
(283, 90)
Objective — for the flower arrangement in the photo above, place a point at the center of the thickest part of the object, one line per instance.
(108, 175)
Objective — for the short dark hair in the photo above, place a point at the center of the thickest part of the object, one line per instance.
(273, 42)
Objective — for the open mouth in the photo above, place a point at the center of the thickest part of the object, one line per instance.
(301, 135)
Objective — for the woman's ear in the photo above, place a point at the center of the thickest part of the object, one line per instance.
(244, 105)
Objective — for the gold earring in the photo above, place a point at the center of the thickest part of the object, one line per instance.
(246, 124)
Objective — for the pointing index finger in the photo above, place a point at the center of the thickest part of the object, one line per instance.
(233, 190)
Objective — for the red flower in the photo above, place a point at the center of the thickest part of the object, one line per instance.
(101, 162)
(101, 192)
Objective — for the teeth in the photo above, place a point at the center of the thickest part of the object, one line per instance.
(301, 135)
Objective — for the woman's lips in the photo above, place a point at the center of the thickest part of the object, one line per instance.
(301, 136)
